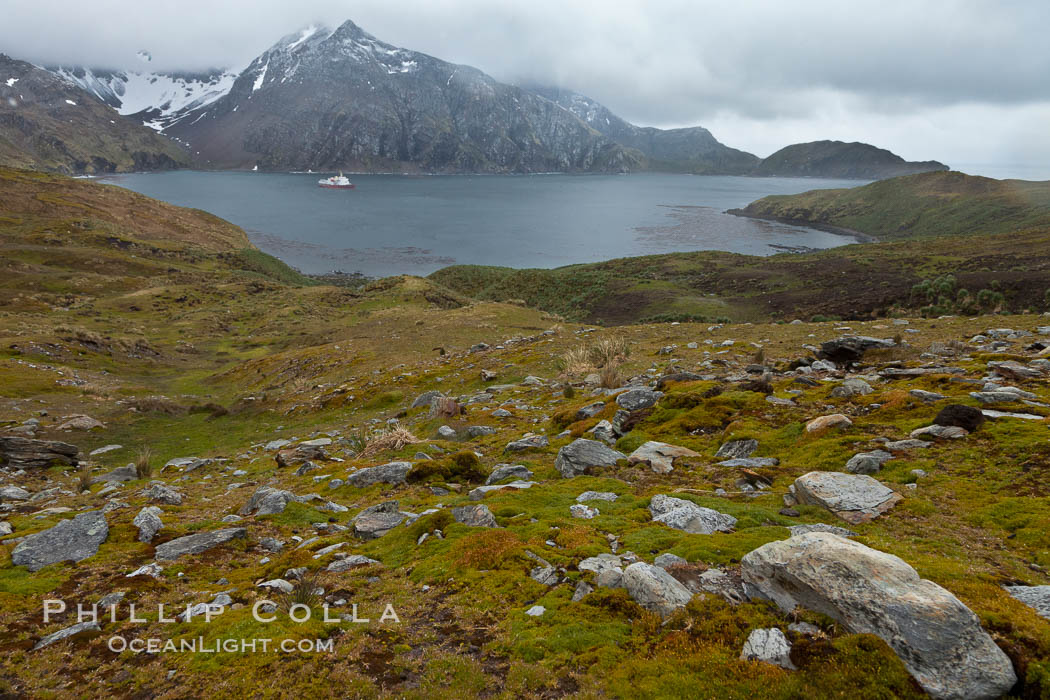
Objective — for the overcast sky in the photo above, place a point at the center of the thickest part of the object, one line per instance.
(961, 81)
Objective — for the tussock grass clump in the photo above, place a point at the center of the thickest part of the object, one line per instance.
(83, 480)
(158, 404)
(305, 592)
(394, 438)
(608, 351)
(144, 463)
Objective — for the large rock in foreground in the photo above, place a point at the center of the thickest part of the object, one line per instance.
(939, 639)
(70, 540)
(855, 498)
(25, 453)
(195, 544)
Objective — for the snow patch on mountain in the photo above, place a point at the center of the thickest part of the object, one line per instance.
(162, 97)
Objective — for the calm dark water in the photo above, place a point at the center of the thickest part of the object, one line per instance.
(394, 224)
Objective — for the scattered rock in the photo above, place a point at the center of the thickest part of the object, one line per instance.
(770, 646)
(197, 543)
(578, 510)
(867, 462)
(637, 399)
(267, 501)
(82, 630)
(938, 638)
(737, 449)
(426, 398)
(70, 540)
(927, 396)
(659, 456)
(850, 349)
(390, 473)
(161, 492)
(596, 496)
(378, 520)
(590, 410)
(148, 522)
(688, 517)
(581, 454)
(655, 589)
(482, 491)
(855, 498)
(947, 432)
(820, 527)
(667, 559)
(528, 442)
(80, 422)
(474, 516)
(507, 471)
(835, 420)
(14, 493)
(350, 562)
(118, 475)
(1035, 597)
(26, 453)
(848, 389)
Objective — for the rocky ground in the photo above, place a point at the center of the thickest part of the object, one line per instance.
(726, 512)
(486, 500)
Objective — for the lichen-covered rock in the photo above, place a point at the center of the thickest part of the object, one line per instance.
(835, 420)
(81, 630)
(378, 520)
(637, 399)
(770, 646)
(391, 473)
(938, 638)
(474, 516)
(148, 522)
(506, 471)
(737, 449)
(1035, 597)
(686, 516)
(267, 501)
(582, 454)
(197, 543)
(528, 442)
(70, 540)
(855, 498)
(659, 455)
(26, 453)
(655, 589)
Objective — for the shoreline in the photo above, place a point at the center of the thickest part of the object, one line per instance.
(859, 236)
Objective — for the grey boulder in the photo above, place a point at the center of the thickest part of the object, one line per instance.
(637, 399)
(688, 517)
(579, 455)
(148, 522)
(82, 630)
(855, 498)
(867, 462)
(506, 471)
(770, 646)
(474, 516)
(70, 540)
(195, 544)
(737, 449)
(391, 473)
(938, 639)
(378, 520)
(659, 456)
(655, 589)
(1035, 597)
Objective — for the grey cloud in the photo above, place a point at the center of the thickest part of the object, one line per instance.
(660, 62)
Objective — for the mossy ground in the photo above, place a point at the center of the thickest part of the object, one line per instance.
(170, 331)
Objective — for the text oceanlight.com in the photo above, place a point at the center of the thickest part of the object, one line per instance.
(199, 645)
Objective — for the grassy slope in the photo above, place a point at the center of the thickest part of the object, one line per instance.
(927, 204)
(182, 327)
(1006, 225)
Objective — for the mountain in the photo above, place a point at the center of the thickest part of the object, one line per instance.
(691, 149)
(926, 204)
(156, 99)
(326, 99)
(48, 124)
(837, 159)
